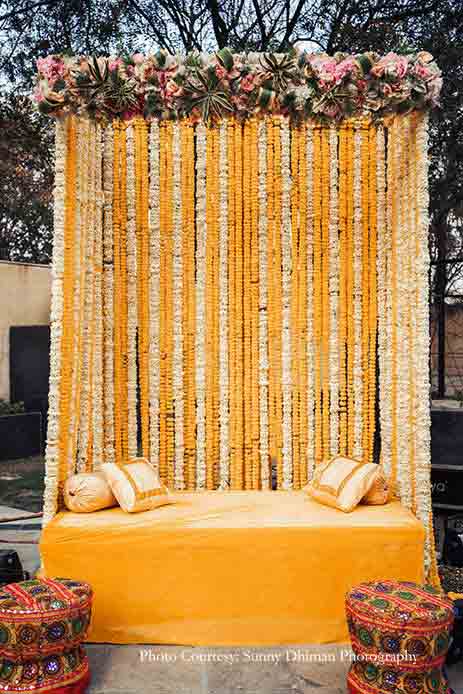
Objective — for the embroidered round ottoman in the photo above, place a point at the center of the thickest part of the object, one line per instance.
(42, 625)
(400, 634)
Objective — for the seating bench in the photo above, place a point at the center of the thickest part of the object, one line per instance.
(230, 568)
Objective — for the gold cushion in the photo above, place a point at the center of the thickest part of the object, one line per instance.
(342, 482)
(136, 485)
(379, 491)
(87, 492)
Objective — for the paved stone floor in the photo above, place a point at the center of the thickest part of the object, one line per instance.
(178, 670)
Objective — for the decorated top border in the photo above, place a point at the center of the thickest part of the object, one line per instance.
(213, 86)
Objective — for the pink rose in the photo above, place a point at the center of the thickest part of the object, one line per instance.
(422, 71)
(424, 57)
(38, 96)
(138, 58)
(171, 88)
(114, 64)
(247, 83)
(220, 71)
(331, 110)
(345, 67)
(391, 65)
(325, 68)
(51, 68)
(387, 89)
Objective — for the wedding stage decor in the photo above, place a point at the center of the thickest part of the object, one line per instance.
(240, 291)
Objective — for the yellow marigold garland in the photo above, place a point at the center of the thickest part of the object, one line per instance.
(342, 327)
(325, 265)
(349, 292)
(254, 304)
(232, 336)
(68, 302)
(238, 470)
(123, 291)
(271, 293)
(189, 317)
(301, 270)
(277, 297)
(365, 169)
(296, 360)
(142, 233)
(317, 291)
(373, 318)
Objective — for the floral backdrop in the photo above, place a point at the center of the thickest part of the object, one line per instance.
(211, 86)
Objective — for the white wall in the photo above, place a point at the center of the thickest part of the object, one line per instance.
(24, 300)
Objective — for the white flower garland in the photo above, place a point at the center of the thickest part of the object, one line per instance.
(263, 317)
(154, 299)
(224, 460)
(383, 293)
(97, 366)
(357, 307)
(177, 375)
(85, 321)
(413, 365)
(388, 359)
(403, 298)
(80, 246)
(200, 341)
(310, 316)
(108, 294)
(131, 298)
(423, 415)
(333, 292)
(56, 325)
(286, 303)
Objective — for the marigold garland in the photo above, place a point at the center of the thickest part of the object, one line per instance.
(188, 249)
(154, 289)
(296, 360)
(325, 302)
(317, 292)
(276, 308)
(108, 299)
(301, 478)
(143, 261)
(310, 461)
(343, 254)
(254, 263)
(262, 273)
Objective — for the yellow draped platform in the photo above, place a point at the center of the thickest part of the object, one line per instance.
(209, 569)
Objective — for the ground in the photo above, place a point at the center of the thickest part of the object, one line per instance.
(176, 669)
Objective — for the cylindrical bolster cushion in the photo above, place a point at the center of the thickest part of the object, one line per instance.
(87, 492)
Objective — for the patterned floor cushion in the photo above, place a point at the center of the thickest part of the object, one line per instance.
(400, 634)
(42, 625)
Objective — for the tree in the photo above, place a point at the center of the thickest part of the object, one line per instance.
(37, 27)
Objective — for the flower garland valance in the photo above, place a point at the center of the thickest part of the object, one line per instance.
(211, 86)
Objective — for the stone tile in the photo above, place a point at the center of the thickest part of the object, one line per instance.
(140, 669)
(274, 671)
(455, 674)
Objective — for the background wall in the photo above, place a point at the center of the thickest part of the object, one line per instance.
(24, 300)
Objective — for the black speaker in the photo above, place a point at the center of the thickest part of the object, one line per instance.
(11, 570)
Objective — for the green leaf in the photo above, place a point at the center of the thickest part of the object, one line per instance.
(365, 63)
(225, 57)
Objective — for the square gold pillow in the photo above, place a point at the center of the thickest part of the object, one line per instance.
(342, 482)
(136, 485)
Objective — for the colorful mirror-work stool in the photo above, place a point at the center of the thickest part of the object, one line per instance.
(400, 634)
(43, 623)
